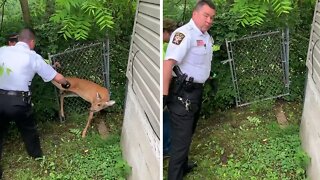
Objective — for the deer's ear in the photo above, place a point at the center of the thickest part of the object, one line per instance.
(110, 103)
(98, 96)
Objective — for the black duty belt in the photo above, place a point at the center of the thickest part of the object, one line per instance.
(192, 84)
(15, 93)
(197, 85)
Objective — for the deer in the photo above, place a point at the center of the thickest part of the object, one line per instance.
(91, 92)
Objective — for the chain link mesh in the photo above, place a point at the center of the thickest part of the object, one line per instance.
(89, 62)
(259, 67)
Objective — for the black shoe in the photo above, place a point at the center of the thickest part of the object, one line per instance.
(0, 172)
(191, 165)
(36, 154)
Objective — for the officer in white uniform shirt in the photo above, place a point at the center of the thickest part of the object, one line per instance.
(190, 49)
(20, 64)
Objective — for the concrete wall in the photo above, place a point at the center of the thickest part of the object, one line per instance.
(310, 128)
(310, 124)
(140, 145)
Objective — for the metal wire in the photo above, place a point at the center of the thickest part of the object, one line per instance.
(86, 62)
(259, 67)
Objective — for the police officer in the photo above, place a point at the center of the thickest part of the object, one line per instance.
(169, 26)
(12, 39)
(190, 49)
(20, 63)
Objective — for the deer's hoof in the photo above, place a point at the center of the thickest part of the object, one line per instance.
(62, 119)
(83, 134)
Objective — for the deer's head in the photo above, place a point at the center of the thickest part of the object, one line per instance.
(100, 103)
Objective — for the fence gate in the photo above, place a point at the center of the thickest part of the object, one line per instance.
(89, 61)
(259, 66)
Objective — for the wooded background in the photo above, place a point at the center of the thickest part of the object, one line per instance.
(237, 18)
(60, 24)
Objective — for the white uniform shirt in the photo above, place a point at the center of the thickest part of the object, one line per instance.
(193, 53)
(24, 64)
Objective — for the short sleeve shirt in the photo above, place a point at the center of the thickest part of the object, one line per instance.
(23, 64)
(192, 50)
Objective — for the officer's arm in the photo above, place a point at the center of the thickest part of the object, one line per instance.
(177, 49)
(46, 71)
(59, 78)
(167, 74)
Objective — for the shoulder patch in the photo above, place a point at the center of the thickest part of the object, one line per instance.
(178, 37)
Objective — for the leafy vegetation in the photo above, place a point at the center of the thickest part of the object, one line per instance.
(4, 70)
(77, 17)
(67, 154)
(277, 157)
(253, 13)
(247, 143)
(59, 24)
(262, 16)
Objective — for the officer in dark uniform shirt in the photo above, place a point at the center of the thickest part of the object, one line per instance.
(190, 49)
(20, 63)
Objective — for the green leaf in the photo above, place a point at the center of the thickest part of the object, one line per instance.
(67, 34)
(8, 71)
(1, 70)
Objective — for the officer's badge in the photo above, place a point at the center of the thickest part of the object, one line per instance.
(178, 37)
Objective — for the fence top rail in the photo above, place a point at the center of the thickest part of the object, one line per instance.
(255, 36)
(75, 48)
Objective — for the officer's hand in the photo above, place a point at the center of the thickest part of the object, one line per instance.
(66, 85)
(56, 65)
(214, 86)
(165, 100)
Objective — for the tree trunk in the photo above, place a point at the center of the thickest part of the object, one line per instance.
(25, 12)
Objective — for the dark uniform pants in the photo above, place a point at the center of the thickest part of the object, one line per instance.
(183, 124)
(14, 108)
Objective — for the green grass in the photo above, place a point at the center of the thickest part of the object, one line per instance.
(247, 143)
(66, 154)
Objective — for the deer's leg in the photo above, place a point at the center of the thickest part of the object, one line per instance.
(63, 94)
(62, 117)
(84, 132)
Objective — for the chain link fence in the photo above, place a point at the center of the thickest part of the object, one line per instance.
(88, 61)
(259, 66)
